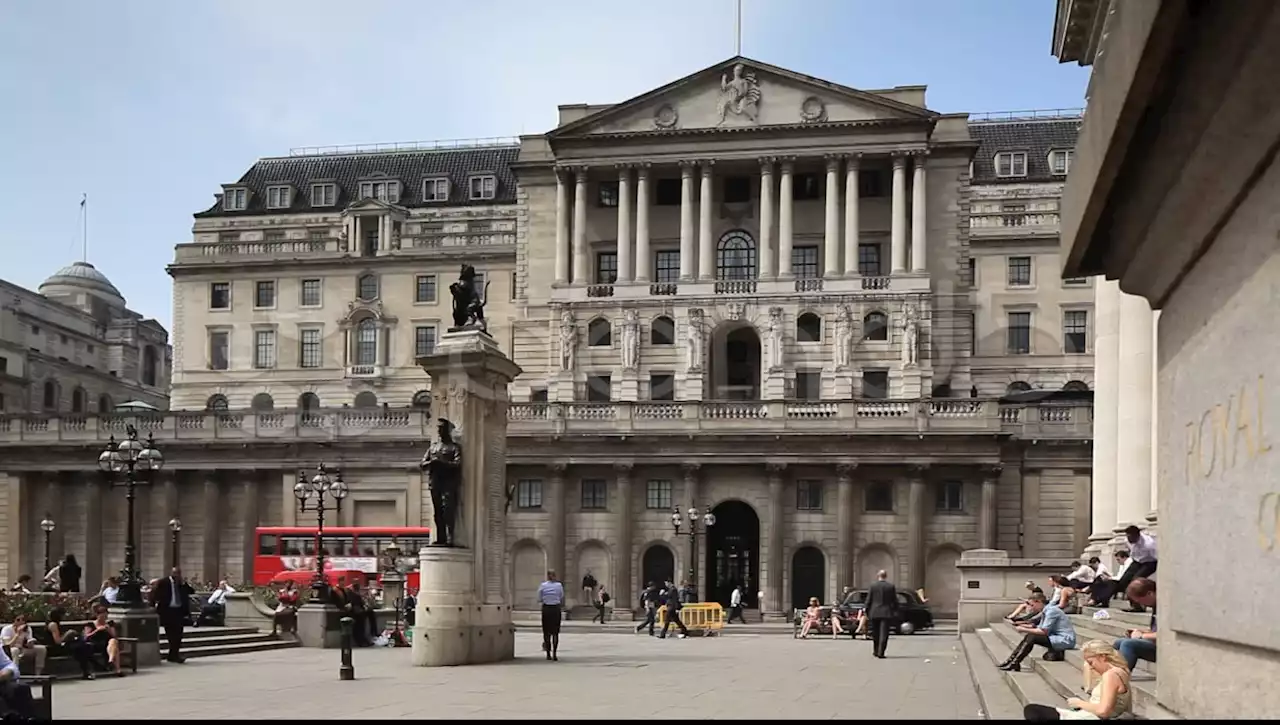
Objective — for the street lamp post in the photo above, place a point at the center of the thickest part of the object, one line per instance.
(47, 526)
(325, 482)
(131, 463)
(175, 528)
(695, 517)
(393, 579)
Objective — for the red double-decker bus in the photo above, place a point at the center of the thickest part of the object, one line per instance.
(293, 548)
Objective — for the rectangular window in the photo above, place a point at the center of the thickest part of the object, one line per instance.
(435, 189)
(1011, 163)
(273, 236)
(607, 194)
(879, 497)
(606, 267)
(529, 494)
(870, 183)
(973, 271)
(264, 294)
(667, 266)
(309, 353)
(1060, 161)
(666, 192)
(388, 191)
(951, 496)
(875, 384)
(235, 199)
(804, 262)
(737, 189)
(278, 197)
(324, 194)
(657, 495)
(318, 235)
(806, 187)
(869, 260)
(484, 188)
(228, 237)
(309, 293)
(1019, 271)
(662, 386)
(264, 349)
(599, 388)
(220, 296)
(1019, 333)
(1075, 281)
(220, 350)
(424, 290)
(808, 385)
(424, 340)
(808, 495)
(594, 494)
(1075, 331)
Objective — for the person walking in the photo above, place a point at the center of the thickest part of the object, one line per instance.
(735, 605)
(601, 600)
(649, 600)
(673, 606)
(551, 596)
(882, 610)
(171, 597)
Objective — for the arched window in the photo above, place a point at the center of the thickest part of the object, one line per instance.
(367, 287)
(736, 256)
(217, 403)
(50, 396)
(367, 342)
(808, 328)
(599, 333)
(1076, 386)
(262, 402)
(104, 403)
(308, 402)
(663, 331)
(150, 365)
(77, 400)
(875, 326)
(1017, 386)
(422, 399)
(366, 399)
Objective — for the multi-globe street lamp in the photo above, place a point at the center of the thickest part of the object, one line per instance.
(326, 482)
(130, 463)
(175, 528)
(47, 525)
(694, 518)
(393, 579)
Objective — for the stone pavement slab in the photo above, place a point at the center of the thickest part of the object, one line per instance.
(743, 677)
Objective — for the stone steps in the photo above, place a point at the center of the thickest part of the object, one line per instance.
(997, 699)
(216, 641)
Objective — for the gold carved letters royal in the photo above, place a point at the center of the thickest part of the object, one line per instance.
(1215, 438)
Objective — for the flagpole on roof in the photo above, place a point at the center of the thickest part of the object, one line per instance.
(84, 228)
(738, 30)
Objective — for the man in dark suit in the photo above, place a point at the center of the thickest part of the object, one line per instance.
(882, 609)
(171, 597)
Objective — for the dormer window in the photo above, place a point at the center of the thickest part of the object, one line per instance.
(324, 194)
(1060, 161)
(1011, 163)
(388, 191)
(435, 189)
(235, 199)
(484, 187)
(279, 197)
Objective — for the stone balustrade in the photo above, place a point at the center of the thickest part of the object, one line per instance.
(206, 252)
(950, 415)
(1011, 224)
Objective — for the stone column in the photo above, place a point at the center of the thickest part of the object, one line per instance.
(1155, 418)
(831, 231)
(988, 524)
(554, 503)
(1133, 497)
(644, 258)
(251, 518)
(1106, 398)
(919, 215)
(581, 263)
(844, 524)
(687, 250)
(851, 200)
(785, 204)
(562, 227)
(690, 470)
(767, 267)
(777, 559)
(625, 252)
(624, 594)
(706, 243)
(92, 563)
(915, 525)
(898, 215)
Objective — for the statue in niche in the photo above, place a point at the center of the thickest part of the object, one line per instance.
(630, 340)
(468, 302)
(910, 333)
(568, 341)
(343, 244)
(844, 338)
(443, 466)
(739, 95)
(693, 335)
(774, 336)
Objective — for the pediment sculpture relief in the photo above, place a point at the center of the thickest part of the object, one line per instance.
(739, 95)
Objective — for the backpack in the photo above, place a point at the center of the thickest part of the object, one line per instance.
(604, 598)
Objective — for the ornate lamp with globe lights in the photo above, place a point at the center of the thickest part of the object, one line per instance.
(325, 482)
(130, 463)
(697, 523)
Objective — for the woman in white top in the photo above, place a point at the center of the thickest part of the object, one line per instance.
(1109, 698)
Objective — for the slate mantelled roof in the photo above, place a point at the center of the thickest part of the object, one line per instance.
(348, 170)
(1036, 137)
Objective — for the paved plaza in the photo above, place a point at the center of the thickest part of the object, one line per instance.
(739, 676)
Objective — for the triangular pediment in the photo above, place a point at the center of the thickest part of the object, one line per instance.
(742, 93)
(372, 204)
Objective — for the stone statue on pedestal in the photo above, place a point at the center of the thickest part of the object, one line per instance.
(468, 302)
(695, 340)
(443, 464)
(630, 340)
(774, 338)
(568, 342)
(844, 338)
(910, 332)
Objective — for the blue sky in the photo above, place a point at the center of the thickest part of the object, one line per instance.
(149, 105)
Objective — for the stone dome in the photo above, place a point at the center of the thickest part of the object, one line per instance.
(80, 277)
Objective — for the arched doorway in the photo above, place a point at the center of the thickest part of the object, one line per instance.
(808, 576)
(735, 363)
(733, 553)
(658, 565)
(942, 581)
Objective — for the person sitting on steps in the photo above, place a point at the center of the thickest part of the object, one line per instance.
(1140, 645)
(1054, 633)
(1109, 699)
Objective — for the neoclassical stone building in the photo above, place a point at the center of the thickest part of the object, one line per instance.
(820, 312)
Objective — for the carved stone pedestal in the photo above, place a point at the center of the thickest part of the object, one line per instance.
(561, 389)
(840, 382)
(143, 624)
(318, 625)
(775, 385)
(689, 386)
(628, 386)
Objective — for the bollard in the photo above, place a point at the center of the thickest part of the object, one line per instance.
(347, 671)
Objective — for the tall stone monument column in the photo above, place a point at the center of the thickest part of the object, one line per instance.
(464, 609)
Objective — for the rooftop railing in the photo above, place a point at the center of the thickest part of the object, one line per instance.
(399, 146)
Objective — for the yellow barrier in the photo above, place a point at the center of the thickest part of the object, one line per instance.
(708, 617)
